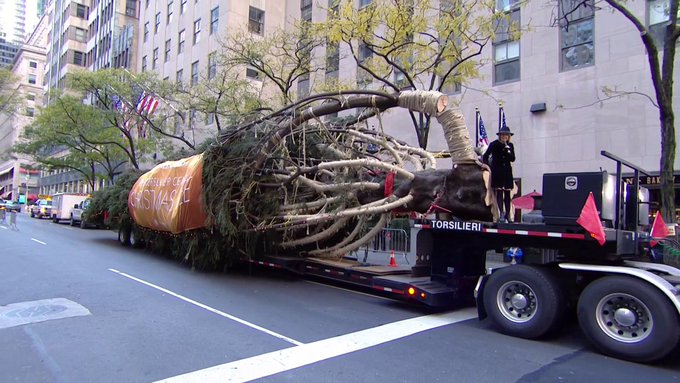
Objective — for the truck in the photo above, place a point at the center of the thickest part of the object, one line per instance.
(78, 216)
(625, 297)
(63, 204)
(41, 208)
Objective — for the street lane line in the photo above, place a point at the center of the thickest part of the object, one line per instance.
(206, 307)
(260, 366)
(40, 242)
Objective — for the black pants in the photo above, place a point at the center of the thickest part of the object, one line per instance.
(503, 199)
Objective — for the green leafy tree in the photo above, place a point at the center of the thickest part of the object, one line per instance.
(9, 99)
(281, 58)
(424, 45)
(71, 135)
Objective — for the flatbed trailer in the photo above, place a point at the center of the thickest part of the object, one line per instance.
(627, 303)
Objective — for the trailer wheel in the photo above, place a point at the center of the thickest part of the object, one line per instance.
(524, 301)
(628, 318)
(135, 238)
(124, 236)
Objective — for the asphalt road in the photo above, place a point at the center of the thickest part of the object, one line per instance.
(75, 306)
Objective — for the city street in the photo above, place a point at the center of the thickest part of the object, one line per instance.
(76, 306)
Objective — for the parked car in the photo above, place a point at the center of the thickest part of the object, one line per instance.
(42, 208)
(13, 206)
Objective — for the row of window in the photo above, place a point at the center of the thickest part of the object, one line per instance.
(214, 24)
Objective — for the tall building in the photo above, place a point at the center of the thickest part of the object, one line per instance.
(17, 178)
(111, 34)
(575, 86)
(68, 38)
(179, 39)
(18, 18)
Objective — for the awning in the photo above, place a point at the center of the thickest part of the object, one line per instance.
(2, 172)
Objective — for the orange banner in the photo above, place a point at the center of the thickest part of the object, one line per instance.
(169, 197)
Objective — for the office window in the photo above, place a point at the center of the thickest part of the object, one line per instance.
(576, 34)
(214, 19)
(80, 34)
(31, 79)
(306, 10)
(197, 31)
(253, 73)
(505, 47)
(33, 64)
(158, 23)
(256, 20)
(30, 96)
(154, 63)
(212, 65)
(210, 118)
(332, 57)
(183, 7)
(146, 31)
(131, 8)
(180, 42)
(168, 47)
(179, 78)
(169, 17)
(78, 58)
(144, 64)
(364, 3)
(30, 112)
(659, 15)
(194, 73)
(81, 11)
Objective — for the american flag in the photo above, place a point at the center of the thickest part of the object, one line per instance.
(146, 105)
(483, 137)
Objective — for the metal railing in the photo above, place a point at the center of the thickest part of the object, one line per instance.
(388, 241)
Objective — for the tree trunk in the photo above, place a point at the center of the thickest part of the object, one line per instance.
(668, 147)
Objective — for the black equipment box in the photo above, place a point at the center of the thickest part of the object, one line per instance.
(564, 195)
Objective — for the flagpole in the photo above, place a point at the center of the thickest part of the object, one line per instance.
(500, 111)
(476, 126)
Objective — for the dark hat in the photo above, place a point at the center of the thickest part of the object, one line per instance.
(505, 130)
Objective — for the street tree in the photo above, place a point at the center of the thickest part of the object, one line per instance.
(70, 135)
(661, 50)
(281, 58)
(402, 44)
(9, 99)
(224, 97)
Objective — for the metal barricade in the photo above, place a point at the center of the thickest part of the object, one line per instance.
(388, 241)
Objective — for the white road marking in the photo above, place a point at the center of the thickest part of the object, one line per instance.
(213, 310)
(260, 366)
(40, 242)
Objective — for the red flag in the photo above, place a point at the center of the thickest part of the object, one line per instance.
(659, 229)
(590, 220)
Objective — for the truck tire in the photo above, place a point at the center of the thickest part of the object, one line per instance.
(54, 219)
(72, 222)
(124, 236)
(83, 225)
(135, 238)
(628, 318)
(524, 301)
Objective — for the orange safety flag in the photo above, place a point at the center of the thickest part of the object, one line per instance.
(590, 220)
(169, 197)
(659, 229)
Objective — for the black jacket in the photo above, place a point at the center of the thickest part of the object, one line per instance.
(499, 157)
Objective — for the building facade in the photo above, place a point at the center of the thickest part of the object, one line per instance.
(18, 179)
